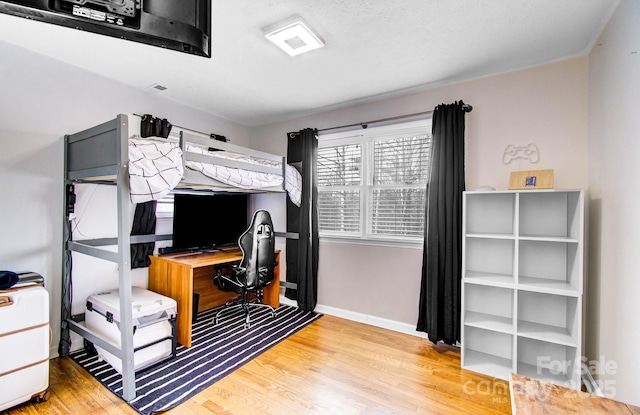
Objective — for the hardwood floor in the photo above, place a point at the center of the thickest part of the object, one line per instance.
(332, 367)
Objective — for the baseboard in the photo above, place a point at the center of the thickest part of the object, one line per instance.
(363, 318)
(286, 301)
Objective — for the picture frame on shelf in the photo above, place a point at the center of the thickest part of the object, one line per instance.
(531, 179)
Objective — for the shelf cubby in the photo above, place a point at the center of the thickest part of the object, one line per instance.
(490, 214)
(552, 267)
(496, 315)
(489, 260)
(550, 215)
(488, 352)
(548, 362)
(548, 317)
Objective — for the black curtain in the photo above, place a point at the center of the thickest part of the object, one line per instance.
(302, 254)
(144, 223)
(439, 314)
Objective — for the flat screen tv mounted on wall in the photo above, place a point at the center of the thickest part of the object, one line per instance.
(181, 25)
(203, 222)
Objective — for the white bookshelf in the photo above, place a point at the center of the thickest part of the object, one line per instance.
(522, 284)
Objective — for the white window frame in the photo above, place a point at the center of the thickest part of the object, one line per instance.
(365, 138)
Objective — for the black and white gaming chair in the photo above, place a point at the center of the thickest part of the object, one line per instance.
(255, 270)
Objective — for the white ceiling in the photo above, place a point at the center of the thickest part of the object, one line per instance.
(374, 48)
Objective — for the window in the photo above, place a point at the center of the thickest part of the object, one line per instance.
(372, 183)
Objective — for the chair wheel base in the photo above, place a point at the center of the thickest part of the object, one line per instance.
(247, 312)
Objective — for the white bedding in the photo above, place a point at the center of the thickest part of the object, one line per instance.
(245, 179)
(155, 168)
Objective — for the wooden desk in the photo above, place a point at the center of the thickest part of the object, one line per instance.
(180, 275)
(534, 397)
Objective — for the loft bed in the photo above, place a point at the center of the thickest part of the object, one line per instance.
(185, 161)
(106, 154)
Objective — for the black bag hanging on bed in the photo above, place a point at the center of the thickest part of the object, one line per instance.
(154, 126)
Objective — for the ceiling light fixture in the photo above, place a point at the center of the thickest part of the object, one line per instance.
(294, 36)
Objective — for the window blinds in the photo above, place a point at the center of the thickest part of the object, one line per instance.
(375, 188)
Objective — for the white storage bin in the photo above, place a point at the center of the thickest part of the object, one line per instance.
(24, 345)
(153, 321)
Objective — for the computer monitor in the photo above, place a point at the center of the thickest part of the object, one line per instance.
(208, 221)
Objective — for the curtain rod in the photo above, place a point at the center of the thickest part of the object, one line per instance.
(365, 124)
(211, 135)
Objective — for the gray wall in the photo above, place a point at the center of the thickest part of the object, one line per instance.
(613, 309)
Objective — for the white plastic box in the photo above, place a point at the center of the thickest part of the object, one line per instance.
(24, 344)
(153, 321)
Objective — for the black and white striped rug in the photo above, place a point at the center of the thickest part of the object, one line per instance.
(216, 351)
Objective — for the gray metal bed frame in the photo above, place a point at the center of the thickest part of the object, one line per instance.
(100, 155)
